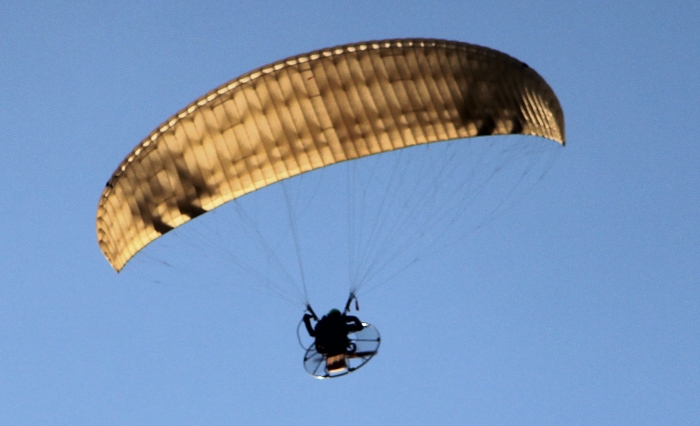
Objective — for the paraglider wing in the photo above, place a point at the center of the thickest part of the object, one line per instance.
(310, 111)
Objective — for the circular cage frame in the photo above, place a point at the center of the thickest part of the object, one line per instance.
(364, 345)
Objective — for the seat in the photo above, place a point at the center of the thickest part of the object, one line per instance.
(336, 364)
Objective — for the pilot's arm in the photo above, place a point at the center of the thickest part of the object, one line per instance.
(353, 323)
(309, 327)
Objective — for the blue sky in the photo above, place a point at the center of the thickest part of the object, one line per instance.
(579, 305)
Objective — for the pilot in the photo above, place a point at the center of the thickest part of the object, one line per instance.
(331, 332)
